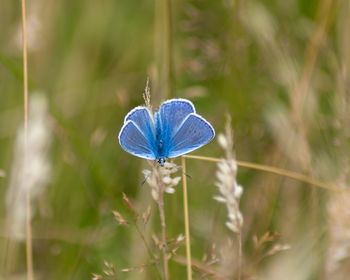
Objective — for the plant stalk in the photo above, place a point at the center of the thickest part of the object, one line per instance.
(186, 219)
(278, 171)
(168, 61)
(164, 244)
(239, 240)
(29, 245)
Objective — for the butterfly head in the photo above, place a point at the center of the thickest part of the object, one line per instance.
(161, 161)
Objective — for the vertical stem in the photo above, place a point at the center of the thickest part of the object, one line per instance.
(29, 246)
(163, 226)
(239, 270)
(25, 69)
(158, 50)
(149, 251)
(186, 218)
(168, 61)
(312, 51)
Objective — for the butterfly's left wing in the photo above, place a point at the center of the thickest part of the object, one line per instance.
(134, 141)
(193, 133)
(137, 136)
(142, 117)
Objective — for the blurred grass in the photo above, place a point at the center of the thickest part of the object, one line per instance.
(91, 60)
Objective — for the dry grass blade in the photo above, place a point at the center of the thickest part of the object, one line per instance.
(312, 53)
(278, 171)
(147, 95)
(29, 245)
(120, 218)
(130, 205)
(186, 219)
(199, 266)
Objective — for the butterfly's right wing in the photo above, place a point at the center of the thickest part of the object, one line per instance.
(193, 133)
(170, 117)
(173, 112)
(137, 136)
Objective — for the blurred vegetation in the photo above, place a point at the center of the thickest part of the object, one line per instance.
(279, 68)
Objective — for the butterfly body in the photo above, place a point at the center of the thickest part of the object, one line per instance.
(175, 129)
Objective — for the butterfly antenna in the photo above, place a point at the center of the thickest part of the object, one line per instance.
(153, 165)
(145, 179)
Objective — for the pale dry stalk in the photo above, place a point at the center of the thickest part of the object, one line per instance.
(230, 190)
(160, 181)
(29, 245)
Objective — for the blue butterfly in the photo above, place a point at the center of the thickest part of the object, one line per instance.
(174, 130)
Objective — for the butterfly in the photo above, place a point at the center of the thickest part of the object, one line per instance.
(174, 130)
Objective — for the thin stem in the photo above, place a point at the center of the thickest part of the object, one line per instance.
(277, 171)
(164, 244)
(186, 218)
(239, 240)
(202, 267)
(169, 63)
(311, 54)
(29, 246)
(25, 69)
(149, 251)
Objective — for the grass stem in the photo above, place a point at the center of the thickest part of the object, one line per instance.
(149, 251)
(311, 55)
(278, 171)
(239, 269)
(186, 218)
(164, 244)
(29, 245)
(169, 63)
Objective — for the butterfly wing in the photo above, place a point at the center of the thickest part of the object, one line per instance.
(142, 117)
(169, 118)
(137, 136)
(193, 133)
(173, 112)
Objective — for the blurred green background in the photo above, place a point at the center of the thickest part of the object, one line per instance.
(279, 68)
